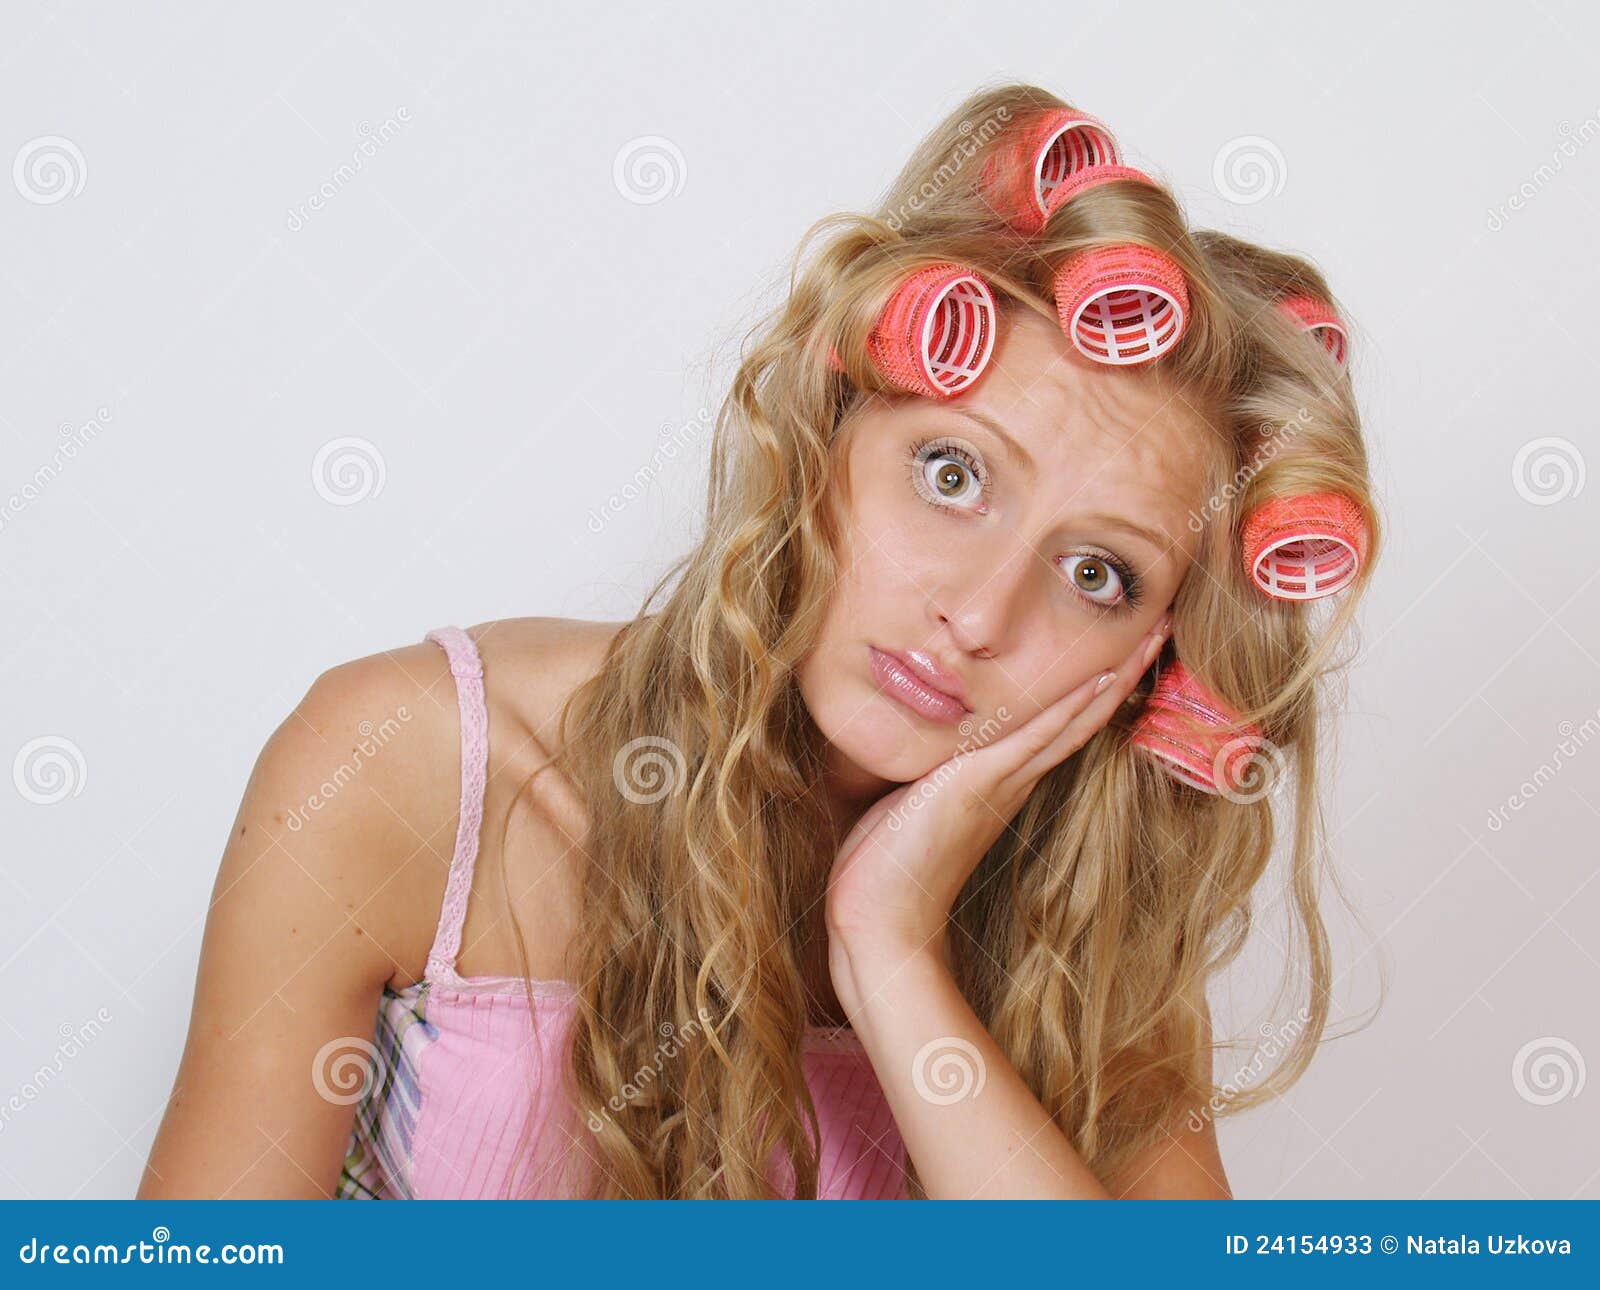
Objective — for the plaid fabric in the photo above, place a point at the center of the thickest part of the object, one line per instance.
(378, 1158)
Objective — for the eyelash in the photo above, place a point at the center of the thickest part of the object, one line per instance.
(925, 450)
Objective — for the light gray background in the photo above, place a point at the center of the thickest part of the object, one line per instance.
(515, 337)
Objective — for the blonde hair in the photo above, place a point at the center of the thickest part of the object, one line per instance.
(1117, 891)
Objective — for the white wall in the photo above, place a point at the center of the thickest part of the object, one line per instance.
(514, 338)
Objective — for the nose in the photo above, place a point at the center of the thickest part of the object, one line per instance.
(982, 603)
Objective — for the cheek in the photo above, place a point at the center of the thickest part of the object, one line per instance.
(836, 685)
(884, 559)
(1059, 665)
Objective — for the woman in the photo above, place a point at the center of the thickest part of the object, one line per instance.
(844, 872)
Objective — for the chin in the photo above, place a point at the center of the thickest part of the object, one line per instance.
(875, 734)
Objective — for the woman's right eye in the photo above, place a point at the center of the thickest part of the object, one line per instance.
(947, 474)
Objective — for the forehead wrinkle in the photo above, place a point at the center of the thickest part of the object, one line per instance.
(1142, 462)
(1142, 448)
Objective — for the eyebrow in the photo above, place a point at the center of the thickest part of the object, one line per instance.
(1159, 541)
(999, 431)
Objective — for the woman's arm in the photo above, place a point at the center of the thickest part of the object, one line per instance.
(967, 1117)
(304, 929)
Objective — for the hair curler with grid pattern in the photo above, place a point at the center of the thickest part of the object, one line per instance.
(1322, 323)
(1196, 737)
(1034, 157)
(935, 334)
(1118, 304)
(1304, 547)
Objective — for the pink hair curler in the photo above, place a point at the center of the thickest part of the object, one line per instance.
(936, 333)
(1119, 304)
(1122, 304)
(1304, 547)
(1193, 733)
(1034, 158)
(1322, 323)
(1072, 184)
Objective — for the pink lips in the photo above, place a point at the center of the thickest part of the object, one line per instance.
(920, 684)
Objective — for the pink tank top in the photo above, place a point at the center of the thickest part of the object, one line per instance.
(460, 1066)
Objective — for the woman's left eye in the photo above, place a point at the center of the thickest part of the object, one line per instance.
(946, 474)
(1099, 580)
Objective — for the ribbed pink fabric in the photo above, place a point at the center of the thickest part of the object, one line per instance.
(486, 1065)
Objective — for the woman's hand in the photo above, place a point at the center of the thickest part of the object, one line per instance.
(897, 874)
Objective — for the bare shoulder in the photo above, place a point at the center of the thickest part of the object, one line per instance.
(386, 729)
(347, 813)
(330, 887)
(374, 749)
(531, 843)
(537, 662)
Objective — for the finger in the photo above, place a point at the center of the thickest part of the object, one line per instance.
(1010, 766)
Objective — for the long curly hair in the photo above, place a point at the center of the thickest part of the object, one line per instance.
(1115, 893)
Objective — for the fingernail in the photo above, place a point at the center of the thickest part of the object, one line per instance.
(1152, 649)
(1106, 678)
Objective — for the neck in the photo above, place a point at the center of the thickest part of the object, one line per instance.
(847, 791)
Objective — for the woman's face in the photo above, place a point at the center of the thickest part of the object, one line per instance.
(1019, 537)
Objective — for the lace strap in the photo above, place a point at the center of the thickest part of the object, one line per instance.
(467, 668)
